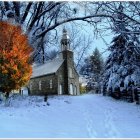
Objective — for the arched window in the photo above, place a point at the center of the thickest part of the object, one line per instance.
(71, 89)
(70, 73)
(39, 85)
(31, 85)
(60, 76)
(60, 89)
(75, 90)
(51, 83)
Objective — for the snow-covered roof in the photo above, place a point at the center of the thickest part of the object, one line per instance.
(49, 67)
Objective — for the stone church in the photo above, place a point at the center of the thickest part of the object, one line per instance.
(57, 76)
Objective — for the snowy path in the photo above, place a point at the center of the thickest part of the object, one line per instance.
(86, 116)
(99, 121)
(108, 118)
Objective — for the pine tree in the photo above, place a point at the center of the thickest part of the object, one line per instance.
(92, 68)
(97, 64)
(15, 70)
(121, 68)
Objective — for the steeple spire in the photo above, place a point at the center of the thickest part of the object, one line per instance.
(65, 41)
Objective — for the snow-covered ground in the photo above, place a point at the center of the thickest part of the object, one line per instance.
(85, 116)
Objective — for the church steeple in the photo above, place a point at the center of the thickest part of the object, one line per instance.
(68, 65)
(65, 41)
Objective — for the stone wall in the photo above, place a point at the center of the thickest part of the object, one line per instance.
(60, 75)
(45, 85)
(62, 81)
(74, 79)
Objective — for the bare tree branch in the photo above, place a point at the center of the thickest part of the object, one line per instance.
(73, 19)
(26, 12)
(17, 10)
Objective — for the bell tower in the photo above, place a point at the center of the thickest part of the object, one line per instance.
(66, 51)
(67, 55)
(65, 41)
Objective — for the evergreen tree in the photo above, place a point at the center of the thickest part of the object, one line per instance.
(92, 68)
(97, 64)
(121, 68)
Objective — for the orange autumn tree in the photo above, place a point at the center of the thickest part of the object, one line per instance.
(15, 69)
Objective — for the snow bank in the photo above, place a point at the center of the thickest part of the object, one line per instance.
(85, 116)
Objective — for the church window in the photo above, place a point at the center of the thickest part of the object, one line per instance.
(70, 73)
(51, 83)
(31, 85)
(39, 85)
(71, 89)
(60, 76)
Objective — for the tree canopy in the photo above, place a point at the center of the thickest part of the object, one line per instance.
(41, 20)
(15, 67)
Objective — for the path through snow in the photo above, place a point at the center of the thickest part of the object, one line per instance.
(85, 116)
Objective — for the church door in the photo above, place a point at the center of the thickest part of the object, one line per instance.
(75, 90)
(71, 89)
(60, 89)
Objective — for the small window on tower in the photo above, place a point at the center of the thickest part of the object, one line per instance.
(70, 72)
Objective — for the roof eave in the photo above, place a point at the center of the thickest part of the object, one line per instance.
(43, 75)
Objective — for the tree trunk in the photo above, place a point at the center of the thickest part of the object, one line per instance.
(26, 12)
(17, 10)
(7, 95)
(7, 5)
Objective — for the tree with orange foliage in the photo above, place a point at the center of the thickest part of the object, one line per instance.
(15, 66)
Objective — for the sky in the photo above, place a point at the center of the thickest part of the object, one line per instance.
(85, 29)
(88, 30)
(101, 45)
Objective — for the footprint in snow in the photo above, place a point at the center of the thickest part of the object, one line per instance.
(67, 102)
(110, 128)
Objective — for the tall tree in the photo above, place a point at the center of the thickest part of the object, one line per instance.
(121, 69)
(92, 68)
(42, 18)
(97, 64)
(39, 19)
(15, 67)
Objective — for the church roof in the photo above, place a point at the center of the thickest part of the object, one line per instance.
(49, 67)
